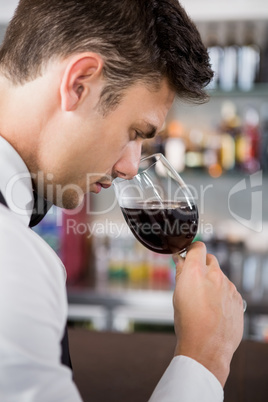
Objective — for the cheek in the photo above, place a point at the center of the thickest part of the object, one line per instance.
(111, 150)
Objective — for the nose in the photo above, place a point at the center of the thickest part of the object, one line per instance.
(128, 164)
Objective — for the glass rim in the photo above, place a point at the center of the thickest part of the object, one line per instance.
(158, 156)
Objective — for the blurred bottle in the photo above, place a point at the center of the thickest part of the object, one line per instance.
(194, 157)
(160, 271)
(264, 278)
(236, 254)
(117, 260)
(264, 61)
(251, 282)
(174, 149)
(264, 137)
(229, 62)
(136, 263)
(227, 154)
(248, 61)
(216, 53)
(230, 129)
(248, 143)
(100, 248)
(211, 153)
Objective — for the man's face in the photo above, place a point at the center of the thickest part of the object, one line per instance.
(95, 148)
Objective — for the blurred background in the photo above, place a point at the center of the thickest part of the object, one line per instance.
(221, 151)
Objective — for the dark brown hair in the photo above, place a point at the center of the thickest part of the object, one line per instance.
(139, 40)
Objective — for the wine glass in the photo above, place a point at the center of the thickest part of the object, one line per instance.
(158, 206)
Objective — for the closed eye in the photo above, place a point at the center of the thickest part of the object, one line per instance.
(147, 135)
(139, 134)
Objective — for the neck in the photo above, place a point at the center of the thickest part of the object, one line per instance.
(23, 115)
(14, 124)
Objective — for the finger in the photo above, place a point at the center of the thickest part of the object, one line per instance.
(196, 254)
(211, 261)
(238, 297)
(179, 262)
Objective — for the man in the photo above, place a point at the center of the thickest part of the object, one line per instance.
(82, 84)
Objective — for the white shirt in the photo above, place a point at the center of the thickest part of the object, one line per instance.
(33, 311)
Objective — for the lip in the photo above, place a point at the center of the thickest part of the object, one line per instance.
(104, 185)
(97, 188)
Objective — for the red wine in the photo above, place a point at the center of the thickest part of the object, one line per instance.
(166, 227)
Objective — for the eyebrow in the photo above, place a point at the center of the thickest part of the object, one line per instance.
(150, 131)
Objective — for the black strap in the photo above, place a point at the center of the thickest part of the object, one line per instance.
(40, 209)
(2, 200)
(65, 354)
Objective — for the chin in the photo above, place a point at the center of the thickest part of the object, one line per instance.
(69, 200)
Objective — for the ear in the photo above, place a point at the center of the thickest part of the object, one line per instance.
(80, 72)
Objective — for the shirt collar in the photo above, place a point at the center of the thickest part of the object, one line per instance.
(15, 182)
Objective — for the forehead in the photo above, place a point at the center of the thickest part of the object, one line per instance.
(147, 104)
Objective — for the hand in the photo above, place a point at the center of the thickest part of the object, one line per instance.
(208, 312)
